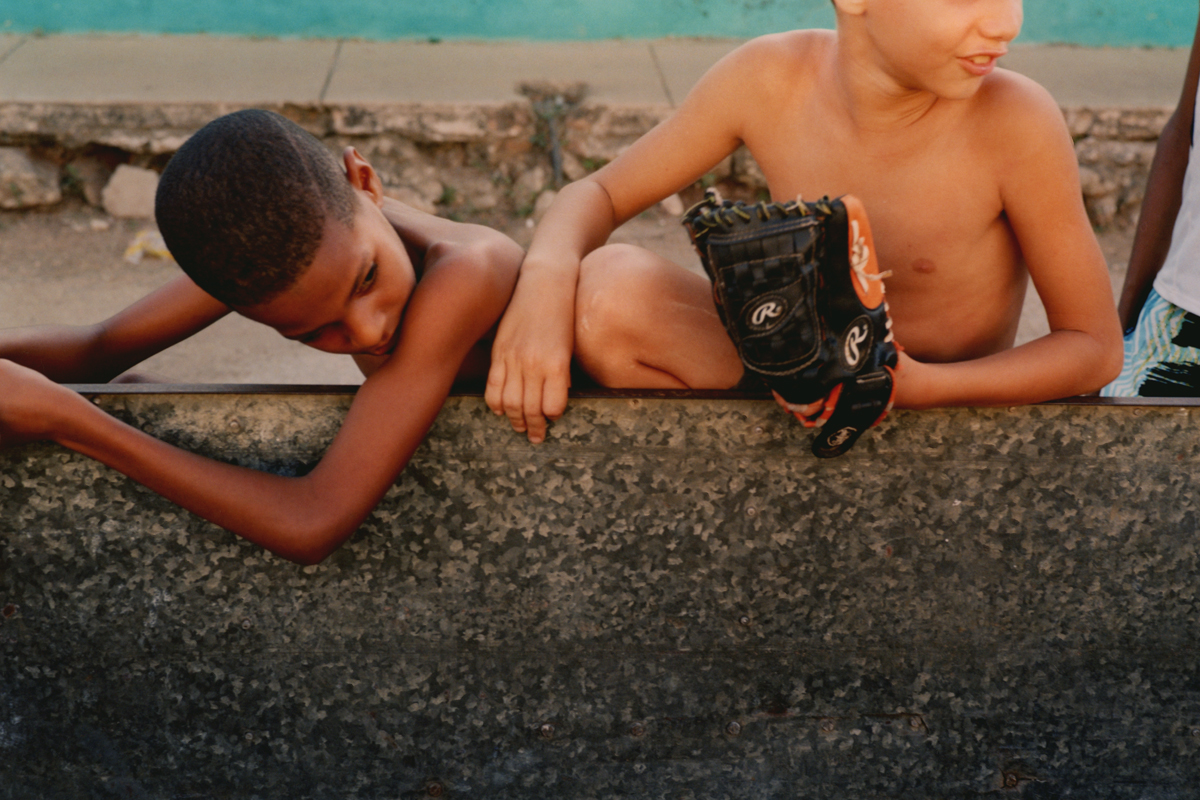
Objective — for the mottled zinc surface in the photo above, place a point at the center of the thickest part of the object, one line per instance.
(670, 598)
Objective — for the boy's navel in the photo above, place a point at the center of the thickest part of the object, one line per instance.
(923, 265)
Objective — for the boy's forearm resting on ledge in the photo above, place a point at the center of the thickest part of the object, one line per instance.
(1061, 364)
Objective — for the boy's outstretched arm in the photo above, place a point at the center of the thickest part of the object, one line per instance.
(465, 286)
(1164, 195)
(1038, 176)
(100, 352)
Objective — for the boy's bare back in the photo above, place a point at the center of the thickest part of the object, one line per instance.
(967, 172)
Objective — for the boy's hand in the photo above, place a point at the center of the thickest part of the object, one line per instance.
(28, 401)
(531, 362)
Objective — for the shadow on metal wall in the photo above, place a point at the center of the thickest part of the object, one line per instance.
(670, 598)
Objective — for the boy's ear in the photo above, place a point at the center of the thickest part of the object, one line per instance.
(362, 175)
(851, 7)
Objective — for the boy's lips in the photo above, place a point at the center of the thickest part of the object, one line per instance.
(980, 63)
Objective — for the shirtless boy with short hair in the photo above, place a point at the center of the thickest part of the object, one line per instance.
(272, 226)
(968, 175)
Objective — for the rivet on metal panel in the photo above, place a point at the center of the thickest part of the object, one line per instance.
(734, 728)
(546, 731)
(435, 789)
(637, 729)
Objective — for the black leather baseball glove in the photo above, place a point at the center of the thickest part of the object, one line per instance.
(799, 290)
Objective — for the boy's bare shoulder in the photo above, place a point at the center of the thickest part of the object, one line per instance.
(785, 51)
(1017, 123)
(768, 71)
(1009, 101)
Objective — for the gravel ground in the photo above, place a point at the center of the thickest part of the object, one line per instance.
(67, 266)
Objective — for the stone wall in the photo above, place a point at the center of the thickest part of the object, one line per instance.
(1115, 148)
(470, 161)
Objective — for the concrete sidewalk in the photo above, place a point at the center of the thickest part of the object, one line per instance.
(209, 69)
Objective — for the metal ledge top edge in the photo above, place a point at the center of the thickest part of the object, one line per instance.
(98, 389)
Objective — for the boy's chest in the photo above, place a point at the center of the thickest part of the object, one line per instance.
(938, 222)
(933, 206)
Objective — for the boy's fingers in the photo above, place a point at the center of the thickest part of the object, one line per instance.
(493, 392)
(509, 402)
(535, 422)
(504, 396)
(553, 394)
(513, 407)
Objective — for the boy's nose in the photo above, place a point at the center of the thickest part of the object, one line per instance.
(365, 327)
(1003, 21)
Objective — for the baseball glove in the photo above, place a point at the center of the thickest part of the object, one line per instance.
(801, 296)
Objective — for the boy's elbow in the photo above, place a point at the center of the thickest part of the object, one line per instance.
(1108, 361)
(310, 553)
(1114, 360)
(310, 538)
(306, 559)
(1113, 346)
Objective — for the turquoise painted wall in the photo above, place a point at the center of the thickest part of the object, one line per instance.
(1085, 22)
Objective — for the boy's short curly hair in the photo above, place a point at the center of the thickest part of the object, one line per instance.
(242, 205)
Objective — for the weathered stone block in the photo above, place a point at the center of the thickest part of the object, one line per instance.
(130, 192)
(91, 175)
(26, 181)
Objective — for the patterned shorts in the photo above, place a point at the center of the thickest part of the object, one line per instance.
(1162, 354)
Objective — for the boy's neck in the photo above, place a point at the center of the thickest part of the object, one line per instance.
(873, 99)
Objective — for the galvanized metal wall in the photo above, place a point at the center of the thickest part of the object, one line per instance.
(670, 598)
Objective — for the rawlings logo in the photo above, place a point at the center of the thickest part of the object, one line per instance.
(857, 335)
(841, 437)
(768, 310)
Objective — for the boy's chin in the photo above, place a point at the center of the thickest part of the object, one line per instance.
(957, 93)
(965, 89)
